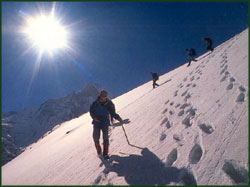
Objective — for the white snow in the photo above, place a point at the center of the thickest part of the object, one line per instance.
(24, 127)
(193, 129)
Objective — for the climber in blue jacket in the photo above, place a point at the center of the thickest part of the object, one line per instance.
(100, 110)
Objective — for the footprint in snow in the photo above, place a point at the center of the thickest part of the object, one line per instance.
(232, 79)
(194, 85)
(184, 93)
(242, 89)
(165, 120)
(230, 86)
(188, 85)
(197, 67)
(199, 72)
(97, 180)
(222, 65)
(191, 111)
(224, 59)
(163, 136)
(175, 93)
(240, 98)
(179, 139)
(212, 56)
(202, 62)
(223, 78)
(167, 102)
(188, 96)
(168, 125)
(164, 111)
(185, 79)
(172, 157)
(236, 172)
(222, 71)
(186, 121)
(171, 112)
(206, 128)
(180, 85)
(192, 78)
(184, 105)
(177, 105)
(181, 113)
(195, 154)
(172, 103)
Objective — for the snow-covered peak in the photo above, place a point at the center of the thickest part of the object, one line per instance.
(26, 126)
(94, 88)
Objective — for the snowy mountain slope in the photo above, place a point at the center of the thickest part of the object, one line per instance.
(21, 128)
(193, 129)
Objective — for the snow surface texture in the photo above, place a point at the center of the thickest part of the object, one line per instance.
(191, 130)
(21, 128)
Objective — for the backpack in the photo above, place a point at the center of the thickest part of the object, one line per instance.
(156, 76)
(193, 52)
(209, 40)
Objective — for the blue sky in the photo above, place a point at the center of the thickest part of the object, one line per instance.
(114, 44)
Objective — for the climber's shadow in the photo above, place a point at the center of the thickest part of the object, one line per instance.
(165, 82)
(148, 169)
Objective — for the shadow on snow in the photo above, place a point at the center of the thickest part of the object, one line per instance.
(117, 124)
(148, 169)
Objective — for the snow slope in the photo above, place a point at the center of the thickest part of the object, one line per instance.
(192, 130)
(23, 127)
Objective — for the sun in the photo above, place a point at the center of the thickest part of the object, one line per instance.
(46, 33)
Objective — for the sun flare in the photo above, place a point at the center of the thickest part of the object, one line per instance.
(46, 33)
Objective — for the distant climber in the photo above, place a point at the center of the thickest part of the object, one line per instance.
(155, 78)
(191, 53)
(209, 43)
(100, 111)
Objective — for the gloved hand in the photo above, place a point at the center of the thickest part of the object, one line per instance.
(96, 119)
(120, 120)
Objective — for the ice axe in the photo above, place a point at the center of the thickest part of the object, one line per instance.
(127, 138)
(125, 133)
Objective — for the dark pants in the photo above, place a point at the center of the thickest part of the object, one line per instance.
(97, 132)
(209, 47)
(154, 83)
(191, 58)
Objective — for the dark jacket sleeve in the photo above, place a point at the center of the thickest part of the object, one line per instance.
(92, 110)
(112, 112)
(209, 40)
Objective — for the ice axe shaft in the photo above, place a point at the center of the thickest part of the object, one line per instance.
(125, 134)
(128, 140)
